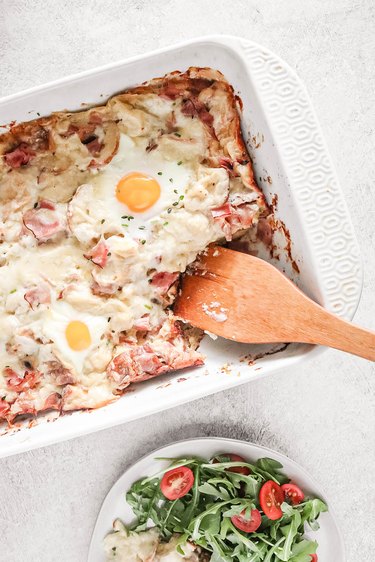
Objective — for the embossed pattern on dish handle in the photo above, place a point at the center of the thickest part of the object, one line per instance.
(312, 177)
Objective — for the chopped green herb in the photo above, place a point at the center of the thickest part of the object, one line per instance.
(181, 197)
(12, 291)
(171, 180)
(125, 217)
(169, 210)
(102, 221)
(141, 228)
(143, 241)
(179, 163)
(175, 204)
(175, 191)
(160, 173)
(130, 218)
(177, 134)
(125, 225)
(148, 306)
(165, 223)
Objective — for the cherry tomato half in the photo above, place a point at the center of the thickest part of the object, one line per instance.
(314, 557)
(271, 497)
(234, 458)
(247, 525)
(176, 483)
(293, 493)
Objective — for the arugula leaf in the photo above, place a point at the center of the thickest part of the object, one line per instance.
(203, 515)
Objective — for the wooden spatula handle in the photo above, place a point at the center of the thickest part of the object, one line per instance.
(326, 329)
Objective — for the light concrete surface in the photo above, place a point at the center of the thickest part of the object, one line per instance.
(322, 414)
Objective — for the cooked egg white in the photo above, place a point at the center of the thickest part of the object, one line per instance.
(138, 185)
(75, 334)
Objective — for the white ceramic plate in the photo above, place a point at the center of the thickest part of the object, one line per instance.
(291, 159)
(115, 506)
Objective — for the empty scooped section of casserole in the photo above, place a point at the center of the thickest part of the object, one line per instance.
(100, 212)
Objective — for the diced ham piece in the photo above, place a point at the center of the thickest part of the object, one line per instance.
(193, 107)
(23, 405)
(231, 217)
(4, 409)
(52, 402)
(143, 323)
(43, 222)
(226, 163)
(94, 146)
(20, 384)
(147, 361)
(103, 289)
(163, 280)
(137, 363)
(59, 373)
(19, 156)
(243, 217)
(46, 204)
(40, 294)
(84, 131)
(95, 118)
(170, 91)
(222, 211)
(140, 362)
(98, 254)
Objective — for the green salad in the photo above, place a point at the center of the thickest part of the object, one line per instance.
(234, 510)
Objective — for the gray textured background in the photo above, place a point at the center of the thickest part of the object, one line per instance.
(322, 414)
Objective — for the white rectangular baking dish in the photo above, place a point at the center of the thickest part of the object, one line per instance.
(276, 111)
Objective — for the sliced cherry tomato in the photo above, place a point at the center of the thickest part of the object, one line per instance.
(247, 525)
(234, 458)
(293, 493)
(271, 497)
(314, 557)
(176, 483)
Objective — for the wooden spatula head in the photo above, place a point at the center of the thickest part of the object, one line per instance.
(227, 293)
(243, 298)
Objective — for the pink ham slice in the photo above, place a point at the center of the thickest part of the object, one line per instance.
(43, 221)
(40, 294)
(19, 384)
(4, 409)
(143, 324)
(19, 156)
(193, 107)
(232, 218)
(136, 363)
(52, 402)
(94, 146)
(59, 373)
(98, 254)
(163, 280)
(140, 363)
(224, 210)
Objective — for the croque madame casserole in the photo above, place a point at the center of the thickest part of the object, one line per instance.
(101, 211)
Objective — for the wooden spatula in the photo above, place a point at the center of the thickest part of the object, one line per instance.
(243, 298)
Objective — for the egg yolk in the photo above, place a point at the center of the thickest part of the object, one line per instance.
(138, 191)
(77, 335)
